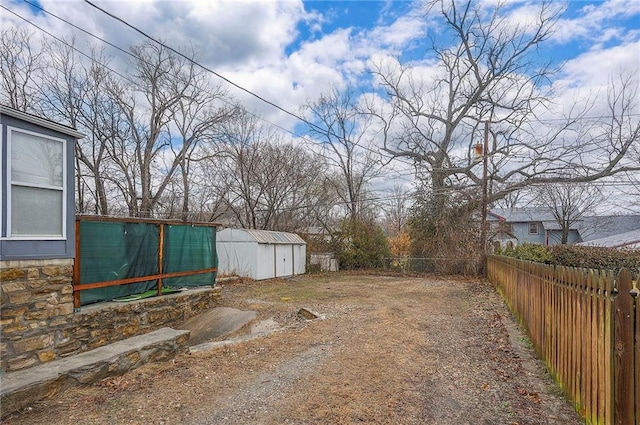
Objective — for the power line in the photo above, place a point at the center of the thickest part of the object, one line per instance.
(66, 44)
(303, 137)
(208, 69)
(197, 63)
(295, 135)
(37, 6)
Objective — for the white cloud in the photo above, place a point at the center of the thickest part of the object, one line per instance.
(226, 34)
(256, 43)
(597, 22)
(596, 67)
(400, 33)
(585, 79)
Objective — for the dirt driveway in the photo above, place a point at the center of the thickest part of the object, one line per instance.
(391, 350)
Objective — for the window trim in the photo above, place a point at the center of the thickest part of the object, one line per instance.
(10, 184)
(537, 231)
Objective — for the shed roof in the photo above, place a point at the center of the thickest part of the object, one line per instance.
(259, 236)
(42, 122)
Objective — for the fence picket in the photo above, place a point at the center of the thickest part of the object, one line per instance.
(637, 353)
(609, 343)
(600, 300)
(587, 344)
(571, 303)
(591, 328)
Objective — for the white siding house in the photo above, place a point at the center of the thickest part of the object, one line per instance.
(260, 254)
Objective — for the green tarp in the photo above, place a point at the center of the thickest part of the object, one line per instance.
(189, 248)
(119, 250)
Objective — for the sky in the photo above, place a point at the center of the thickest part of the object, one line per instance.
(288, 51)
(291, 51)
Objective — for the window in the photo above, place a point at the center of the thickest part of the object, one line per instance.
(533, 228)
(36, 195)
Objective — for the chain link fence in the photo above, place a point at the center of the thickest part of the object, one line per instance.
(460, 266)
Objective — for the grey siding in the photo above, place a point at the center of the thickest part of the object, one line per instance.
(38, 249)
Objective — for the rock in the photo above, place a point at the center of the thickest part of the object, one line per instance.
(13, 287)
(11, 274)
(32, 344)
(306, 314)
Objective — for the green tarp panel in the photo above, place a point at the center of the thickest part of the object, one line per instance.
(113, 251)
(121, 250)
(187, 248)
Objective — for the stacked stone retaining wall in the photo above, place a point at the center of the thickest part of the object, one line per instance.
(38, 323)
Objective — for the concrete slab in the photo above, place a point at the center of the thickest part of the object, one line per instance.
(215, 323)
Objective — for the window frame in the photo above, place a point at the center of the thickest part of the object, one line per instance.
(10, 183)
(537, 228)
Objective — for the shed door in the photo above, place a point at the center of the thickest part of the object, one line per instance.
(284, 261)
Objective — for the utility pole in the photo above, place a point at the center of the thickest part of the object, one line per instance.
(485, 184)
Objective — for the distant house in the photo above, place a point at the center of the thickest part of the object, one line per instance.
(37, 187)
(527, 225)
(538, 225)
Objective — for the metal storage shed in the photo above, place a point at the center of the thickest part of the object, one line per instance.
(260, 254)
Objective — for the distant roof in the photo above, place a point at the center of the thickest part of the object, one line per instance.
(554, 225)
(598, 227)
(522, 215)
(42, 122)
(260, 236)
(624, 240)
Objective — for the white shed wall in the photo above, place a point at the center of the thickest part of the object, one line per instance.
(240, 258)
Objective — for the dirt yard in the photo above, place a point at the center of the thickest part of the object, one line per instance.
(390, 350)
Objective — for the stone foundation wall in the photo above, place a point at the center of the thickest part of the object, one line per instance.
(38, 324)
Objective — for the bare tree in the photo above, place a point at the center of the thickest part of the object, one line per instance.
(195, 117)
(169, 92)
(569, 203)
(628, 198)
(20, 64)
(490, 73)
(268, 184)
(346, 133)
(75, 92)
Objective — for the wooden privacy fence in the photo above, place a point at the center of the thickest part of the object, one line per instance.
(585, 325)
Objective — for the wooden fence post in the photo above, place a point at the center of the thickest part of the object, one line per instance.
(76, 267)
(160, 258)
(637, 354)
(624, 393)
